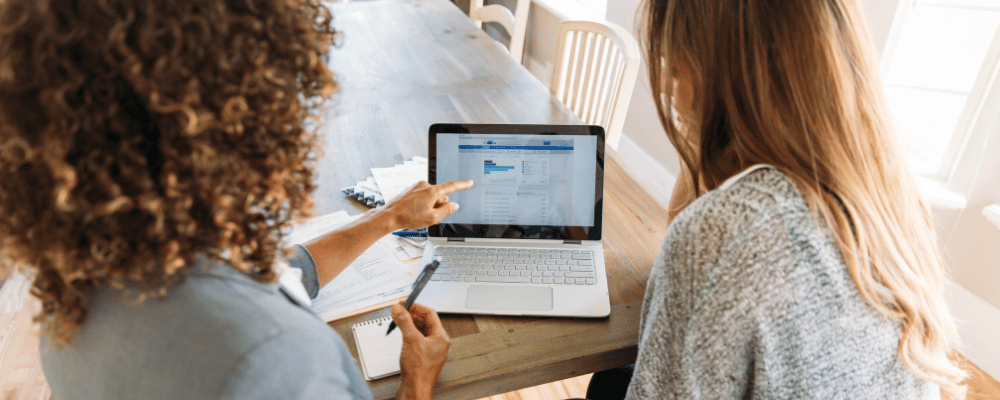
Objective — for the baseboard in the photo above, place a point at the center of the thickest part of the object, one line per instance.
(978, 326)
(652, 176)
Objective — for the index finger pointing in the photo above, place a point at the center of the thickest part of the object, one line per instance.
(454, 186)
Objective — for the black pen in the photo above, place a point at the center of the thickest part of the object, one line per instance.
(418, 286)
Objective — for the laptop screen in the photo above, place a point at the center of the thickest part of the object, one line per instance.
(531, 181)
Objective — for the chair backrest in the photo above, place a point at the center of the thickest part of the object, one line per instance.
(515, 23)
(595, 70)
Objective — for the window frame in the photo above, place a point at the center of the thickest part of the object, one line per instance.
(946, 187)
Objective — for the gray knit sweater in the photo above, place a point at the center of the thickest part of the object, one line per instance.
(749, 298)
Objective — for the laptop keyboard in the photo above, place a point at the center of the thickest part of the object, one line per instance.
(515, 265)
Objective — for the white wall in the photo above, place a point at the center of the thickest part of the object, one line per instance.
(644, 149)
(879, 14)
(971, 248)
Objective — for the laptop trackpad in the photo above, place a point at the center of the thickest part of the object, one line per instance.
(528, 298)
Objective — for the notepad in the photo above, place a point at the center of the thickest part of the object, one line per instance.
(379, 353)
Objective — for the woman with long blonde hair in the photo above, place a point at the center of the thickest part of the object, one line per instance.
(802, 261)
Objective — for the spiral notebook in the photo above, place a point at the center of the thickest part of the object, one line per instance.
(379, 353)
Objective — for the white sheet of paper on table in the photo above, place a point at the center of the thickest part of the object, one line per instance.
(317, 226)
(388, 287)
(400, 288)
(396, 248)
(376, 272)
(367, 274)
(403, 248)
(394, 180)
(412, 250)
(415, 241)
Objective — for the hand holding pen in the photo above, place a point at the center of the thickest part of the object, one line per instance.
(418, 286)
(425, 343)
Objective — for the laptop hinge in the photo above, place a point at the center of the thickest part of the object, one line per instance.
(572, 242)
(452, 239)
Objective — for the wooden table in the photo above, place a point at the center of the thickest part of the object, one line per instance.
(405, 64)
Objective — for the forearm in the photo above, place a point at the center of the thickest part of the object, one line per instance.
(421, 205)
(415, 388)
(336, 250)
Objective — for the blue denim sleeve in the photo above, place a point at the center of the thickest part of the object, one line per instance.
(303, 260)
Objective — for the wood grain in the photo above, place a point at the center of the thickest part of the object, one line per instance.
(523, 355)
(565, 389)
(404, 65)
(981, 385)
(21, 374)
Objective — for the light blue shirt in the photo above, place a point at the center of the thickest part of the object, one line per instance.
(217, 335)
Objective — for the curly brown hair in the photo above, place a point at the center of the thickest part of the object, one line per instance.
(137, 135)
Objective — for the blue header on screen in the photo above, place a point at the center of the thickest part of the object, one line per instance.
(470, 146)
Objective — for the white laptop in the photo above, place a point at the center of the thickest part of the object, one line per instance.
(527, 237)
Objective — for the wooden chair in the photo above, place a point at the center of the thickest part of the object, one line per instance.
(515, 23)
(595, 70)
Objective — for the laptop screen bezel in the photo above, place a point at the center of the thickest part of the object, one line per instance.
(548, 232)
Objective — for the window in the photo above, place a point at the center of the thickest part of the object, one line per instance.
(939, 61)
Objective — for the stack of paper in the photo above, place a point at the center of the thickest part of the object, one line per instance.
(383, 186)
(376, 276)
(405, 248)
(394, 180)
(387, 183)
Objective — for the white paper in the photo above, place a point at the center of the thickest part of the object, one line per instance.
(396, 248)
(379, 352)
(317, 226)
(393, 181)
(332, 311)
(415, 241)
(374, 277)
(403, 248)
(412, 250)
(366, 274)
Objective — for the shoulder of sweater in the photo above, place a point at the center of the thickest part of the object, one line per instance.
(762, 223)
(734, 207)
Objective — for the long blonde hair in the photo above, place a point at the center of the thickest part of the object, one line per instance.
(794, 84)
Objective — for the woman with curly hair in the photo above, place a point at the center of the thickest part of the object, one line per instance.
(151, 153)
